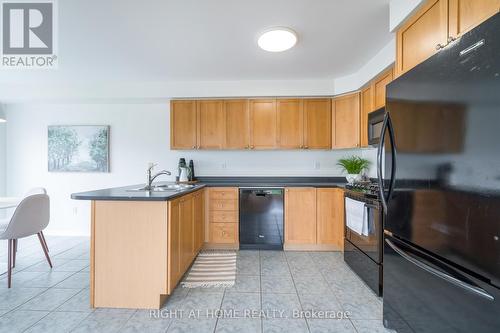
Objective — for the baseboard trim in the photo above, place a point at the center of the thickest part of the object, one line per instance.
(215, 246)
(311, 247)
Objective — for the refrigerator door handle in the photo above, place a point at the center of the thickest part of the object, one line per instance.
(394, 157)
(379, 163)
(459, 283)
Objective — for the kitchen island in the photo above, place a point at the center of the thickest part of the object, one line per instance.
(141, 243)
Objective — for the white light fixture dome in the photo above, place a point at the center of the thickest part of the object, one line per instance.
(277, 39)
(3, 119)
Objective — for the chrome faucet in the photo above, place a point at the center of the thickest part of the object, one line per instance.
(151, 178)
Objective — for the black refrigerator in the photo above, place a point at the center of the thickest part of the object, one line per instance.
(439, 173)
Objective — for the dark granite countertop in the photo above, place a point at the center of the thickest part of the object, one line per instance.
(273, 181)
(125, 193)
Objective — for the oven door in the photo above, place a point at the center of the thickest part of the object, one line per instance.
(371, 245)
(375, 122)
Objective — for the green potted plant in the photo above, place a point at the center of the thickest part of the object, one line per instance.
(353, 166)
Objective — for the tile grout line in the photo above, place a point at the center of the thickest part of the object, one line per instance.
(260, 295)
(336, 297)
(17, 308)
(296, 291)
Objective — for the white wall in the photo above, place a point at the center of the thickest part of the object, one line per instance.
(139, 134)
(136, 91)
(382, 60)
(399, 10)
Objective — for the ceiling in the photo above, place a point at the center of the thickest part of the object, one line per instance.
(200, 40)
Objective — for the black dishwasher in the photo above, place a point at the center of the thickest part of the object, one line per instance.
(261, 218)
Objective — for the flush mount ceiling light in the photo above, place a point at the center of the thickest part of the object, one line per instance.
(277, 39)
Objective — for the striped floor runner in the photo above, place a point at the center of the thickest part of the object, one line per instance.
(212, 269)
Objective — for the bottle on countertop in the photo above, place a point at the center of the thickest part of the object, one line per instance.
(191, 168)
(182, 164)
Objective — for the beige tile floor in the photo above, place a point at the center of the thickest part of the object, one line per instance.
(291, 288)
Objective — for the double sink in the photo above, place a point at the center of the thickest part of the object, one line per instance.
(164, 188)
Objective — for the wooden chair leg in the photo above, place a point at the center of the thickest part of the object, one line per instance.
(44, 241)
(9, 264)
(14, 251)
(44, 249)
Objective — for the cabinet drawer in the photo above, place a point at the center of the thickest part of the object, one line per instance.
(224, 216)
(223, 204)
(224, 233)
(224, 193)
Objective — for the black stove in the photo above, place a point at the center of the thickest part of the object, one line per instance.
(369, 189)
(363, 253)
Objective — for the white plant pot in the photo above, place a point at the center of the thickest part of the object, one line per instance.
(353, 177)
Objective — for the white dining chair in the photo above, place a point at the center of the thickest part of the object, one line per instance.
(30, 217)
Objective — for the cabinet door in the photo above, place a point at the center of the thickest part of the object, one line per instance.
(379, 88)
(300, 215)
(186, 232)
(466, 14)
(317, 118)
(366, 107)
(199, 221)
(174, 257)
(263, 124)
(237, 124)
(290, 123)
(330, 217)
(418, 38)
(183, 125)
(210, 124)
(346, 118)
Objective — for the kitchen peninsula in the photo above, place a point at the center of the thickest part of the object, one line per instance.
(142, 242)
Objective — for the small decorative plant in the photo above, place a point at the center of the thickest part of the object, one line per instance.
(353, 166)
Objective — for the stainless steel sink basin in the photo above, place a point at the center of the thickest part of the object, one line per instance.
(175, 186)
(163, 188)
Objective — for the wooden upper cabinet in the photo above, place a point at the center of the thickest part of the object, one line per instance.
(317, 123)
(418, 38)
(183, 125)
(367, 102)
(379, 88)
(346, 121)
(237, 124)
(263, 124)
(300, 215)
(211, 124)
(330, 216)
(466, 14)
(290, 123)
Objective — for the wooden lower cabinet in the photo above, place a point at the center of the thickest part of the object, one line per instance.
(300, 215)
(174, 241)
(314, 218)
(185, 230)
(223, 217)
(199, 220)
(330, 216)
(224, 233)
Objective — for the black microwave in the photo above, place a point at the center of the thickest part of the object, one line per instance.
(375, 122)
